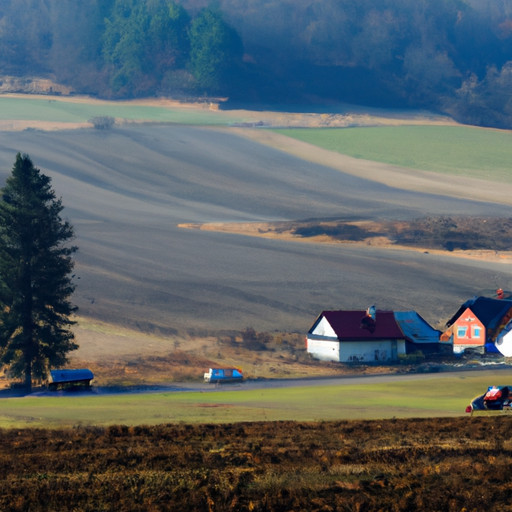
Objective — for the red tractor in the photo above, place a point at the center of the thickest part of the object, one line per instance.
(496, 398)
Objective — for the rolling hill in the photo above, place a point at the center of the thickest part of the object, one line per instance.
(126, 190)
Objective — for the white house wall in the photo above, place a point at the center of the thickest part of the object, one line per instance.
(371, 351)
(356, 351)
(324, 350)
(504, 341)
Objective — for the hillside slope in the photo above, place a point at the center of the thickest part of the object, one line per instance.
(127, 190)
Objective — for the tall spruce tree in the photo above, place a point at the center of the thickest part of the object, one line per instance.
(35, 281)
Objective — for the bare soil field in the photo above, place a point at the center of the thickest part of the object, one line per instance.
(156, 289)
(441, 464)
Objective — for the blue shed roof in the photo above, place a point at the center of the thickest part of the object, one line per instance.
(61, 376)
(416, 328)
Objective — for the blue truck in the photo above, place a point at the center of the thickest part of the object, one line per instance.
(221, 375)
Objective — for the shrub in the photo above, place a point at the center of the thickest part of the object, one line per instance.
(253, 340)
(414, 358)
(102, 122)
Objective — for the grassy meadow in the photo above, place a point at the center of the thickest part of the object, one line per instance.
(423, 396)
(54, 110)
(459, 150)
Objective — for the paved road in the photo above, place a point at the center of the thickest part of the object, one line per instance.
(491, 371)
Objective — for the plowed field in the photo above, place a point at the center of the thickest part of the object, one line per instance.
(448, 464)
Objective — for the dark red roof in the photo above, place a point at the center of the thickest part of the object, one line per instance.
(348, 325)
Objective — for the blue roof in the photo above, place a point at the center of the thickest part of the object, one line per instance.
(489, 311)
(415, 328)
(61, 376)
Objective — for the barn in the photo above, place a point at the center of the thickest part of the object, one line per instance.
(70, 379)
(356, 337)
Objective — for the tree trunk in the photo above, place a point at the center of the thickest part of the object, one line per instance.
(28, 378)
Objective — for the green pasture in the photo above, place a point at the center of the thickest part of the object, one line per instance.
(54, 110)
(428, 395)
(460, 150)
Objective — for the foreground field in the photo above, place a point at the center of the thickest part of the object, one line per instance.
(440, 464)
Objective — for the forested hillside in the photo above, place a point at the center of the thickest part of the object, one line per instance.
(453, 56)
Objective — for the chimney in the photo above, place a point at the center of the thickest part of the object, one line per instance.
(368, 321)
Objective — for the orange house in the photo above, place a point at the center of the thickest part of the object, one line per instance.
(466, 332)
(477, 323)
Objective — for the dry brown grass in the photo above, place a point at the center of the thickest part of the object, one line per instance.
(122, 357)
(280, 355)
(448, 464)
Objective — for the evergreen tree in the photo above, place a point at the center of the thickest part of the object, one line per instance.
(167, 38)
(142, 42)
(35, 281)
(216, 50)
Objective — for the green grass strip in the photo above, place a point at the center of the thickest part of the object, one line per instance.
(460, 150)
(51, 110)
(431, 395)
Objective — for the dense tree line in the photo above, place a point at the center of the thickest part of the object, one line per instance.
(450, 55)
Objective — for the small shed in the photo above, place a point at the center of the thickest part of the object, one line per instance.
(70, 379)
(419, 334)
(369, 336)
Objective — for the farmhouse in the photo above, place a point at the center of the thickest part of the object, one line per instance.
(477, 324)
(356, 336)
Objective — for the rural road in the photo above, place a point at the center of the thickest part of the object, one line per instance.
(491, 371)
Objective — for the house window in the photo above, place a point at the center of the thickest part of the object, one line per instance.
(476, 331)
(461, 332)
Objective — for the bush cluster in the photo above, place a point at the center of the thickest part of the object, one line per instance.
(448, 233)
